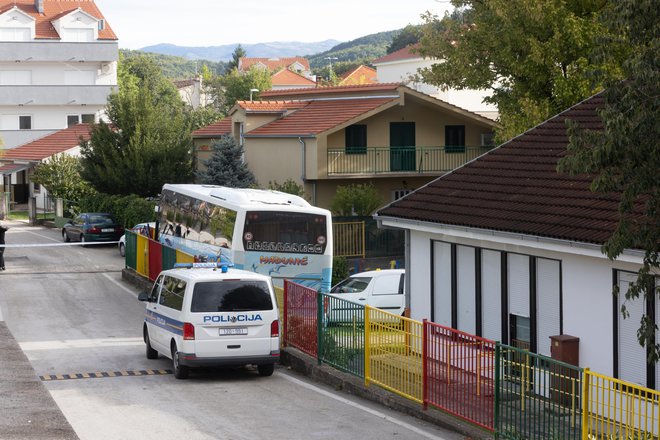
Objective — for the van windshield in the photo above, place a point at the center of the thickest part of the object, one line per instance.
(352, 285)
(231, 296)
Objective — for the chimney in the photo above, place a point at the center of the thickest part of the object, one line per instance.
(39, 6)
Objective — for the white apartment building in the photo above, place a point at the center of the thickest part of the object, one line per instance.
(404, 64)
(58, 64)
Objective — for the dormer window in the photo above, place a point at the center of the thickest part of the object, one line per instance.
(16, 25)
(101, 25)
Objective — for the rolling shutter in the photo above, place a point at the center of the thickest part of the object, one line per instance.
(518, 280)
(632, 356)
(442, 305)
(465, 272)
(491, 294)
(548, 302)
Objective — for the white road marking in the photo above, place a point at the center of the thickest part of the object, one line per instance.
(26, 245)
(79, 343)
(363, 408)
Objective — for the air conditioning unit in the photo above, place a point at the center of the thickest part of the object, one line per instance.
(106, 68)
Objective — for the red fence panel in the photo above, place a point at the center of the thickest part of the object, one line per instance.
(300, 318)
(459, 374)
(155, 259)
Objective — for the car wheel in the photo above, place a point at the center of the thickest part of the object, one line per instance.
(266, 369)
(180, 371)
(122, 249)
(82, 239)
(65, 236)
(151, 353)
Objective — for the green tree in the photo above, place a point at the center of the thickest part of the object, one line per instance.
(237, 85)
(534, 54)
(289, 186)
(359, 199)
(624, 156)
(408, 35)
(238, 53)
(148, 141)
(226, 167)
(61, 177)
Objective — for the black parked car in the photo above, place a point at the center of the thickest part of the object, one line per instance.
(92, 227)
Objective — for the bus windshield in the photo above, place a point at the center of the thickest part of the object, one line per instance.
(287, 232)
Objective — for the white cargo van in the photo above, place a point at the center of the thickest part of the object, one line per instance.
(383, 289)
(212, 316)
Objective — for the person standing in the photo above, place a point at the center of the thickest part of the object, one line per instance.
(2, 248)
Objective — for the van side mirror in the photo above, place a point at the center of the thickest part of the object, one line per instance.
(144, 296)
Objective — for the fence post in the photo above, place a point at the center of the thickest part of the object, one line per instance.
(585, 404)
(319, 326)
(367, 346)
(425, 336)
(498, 354)
(285, 313)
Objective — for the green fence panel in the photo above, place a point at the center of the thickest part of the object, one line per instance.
(537, 397)
(341, 338)
(169, 257)
(131, 250)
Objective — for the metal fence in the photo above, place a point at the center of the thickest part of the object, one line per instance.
(348, 239)
(301, 318)
(393, 353)
(459, 370)
(536, 397)
(614, 409)
(341, 335)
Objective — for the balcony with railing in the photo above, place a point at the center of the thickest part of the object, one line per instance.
(399, 160)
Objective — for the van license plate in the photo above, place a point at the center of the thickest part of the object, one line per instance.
(224, 331)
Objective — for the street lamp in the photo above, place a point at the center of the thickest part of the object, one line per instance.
(251, 91)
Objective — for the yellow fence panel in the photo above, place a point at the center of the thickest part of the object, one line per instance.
(142, 255)
(615, 409)
(182, 257)
(393, 353)
(348, 239)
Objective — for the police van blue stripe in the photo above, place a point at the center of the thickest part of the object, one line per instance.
(162, 321)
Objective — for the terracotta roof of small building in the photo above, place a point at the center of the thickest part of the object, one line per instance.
(54, 9)
(360, 75)
(516, 188)
(49, 145)
(272, 63)
(319, 116)
(270, 106)
(334, 91)
(285, 77)
(407, 53)
(218, 128)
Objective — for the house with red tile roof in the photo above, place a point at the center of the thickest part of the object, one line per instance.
(58, 64)
(385, 134)
(287, 79)
(360, 75)
(17, 164)
(403, 66)
(507, 248)
(286, 72)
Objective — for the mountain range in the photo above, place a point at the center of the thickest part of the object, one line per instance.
(276, 49)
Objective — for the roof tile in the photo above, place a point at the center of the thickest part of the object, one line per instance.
(47, 146)
(218, 128)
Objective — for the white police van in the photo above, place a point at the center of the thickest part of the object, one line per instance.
(207, 315)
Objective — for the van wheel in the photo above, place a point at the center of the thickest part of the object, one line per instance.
(266, 369)
(180, 371)
(150, 352)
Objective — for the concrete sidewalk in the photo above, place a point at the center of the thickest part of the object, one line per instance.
(27, 410)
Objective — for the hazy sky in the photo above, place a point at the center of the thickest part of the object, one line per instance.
(140, 23)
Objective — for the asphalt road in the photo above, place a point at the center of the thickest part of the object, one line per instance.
(79, 325)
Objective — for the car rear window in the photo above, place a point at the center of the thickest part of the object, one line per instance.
(231, 296)
(101, 219)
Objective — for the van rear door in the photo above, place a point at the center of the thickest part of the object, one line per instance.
(233, 318)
